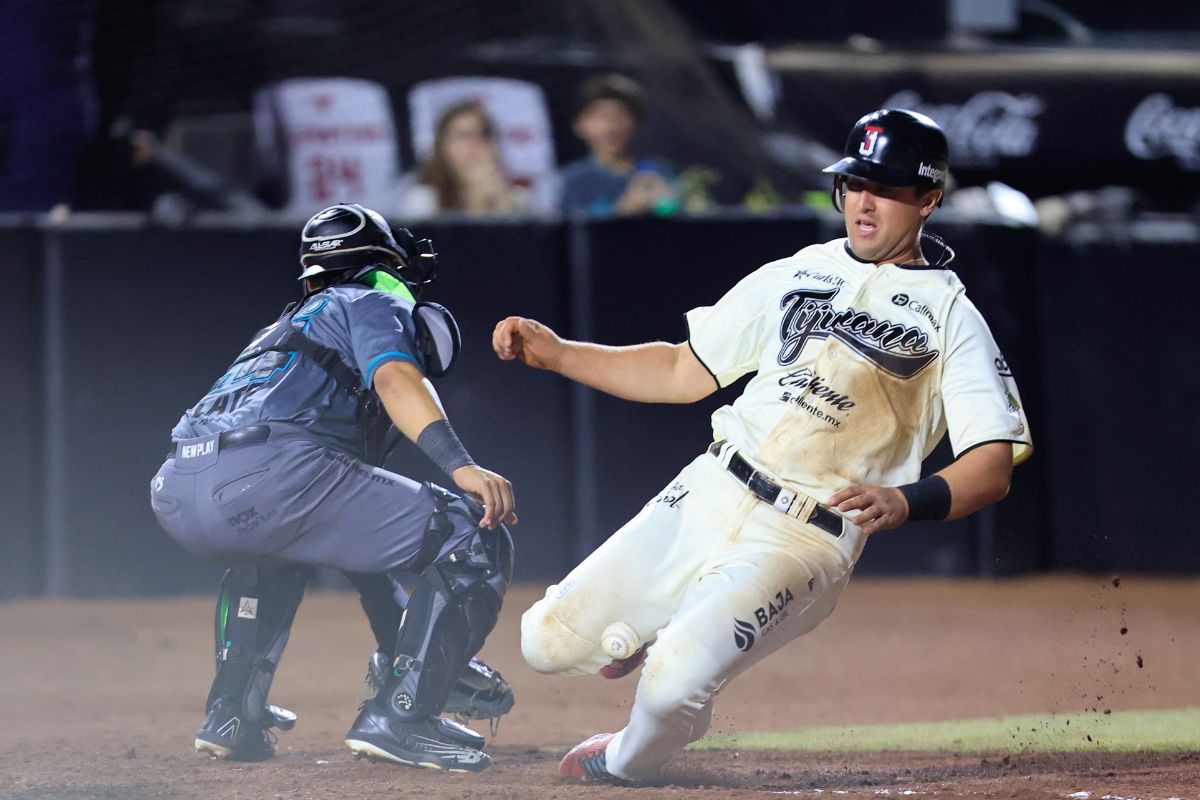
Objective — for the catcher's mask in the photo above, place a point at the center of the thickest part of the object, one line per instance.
(348, 237)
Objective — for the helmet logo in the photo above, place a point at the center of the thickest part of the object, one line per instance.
(320, 247)
(870, 137)
(930, 171)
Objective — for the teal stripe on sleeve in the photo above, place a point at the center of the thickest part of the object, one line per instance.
(375, 362)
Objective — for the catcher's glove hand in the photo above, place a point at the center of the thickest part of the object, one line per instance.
(480, 693)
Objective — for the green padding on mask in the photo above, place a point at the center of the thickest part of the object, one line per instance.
(378, 279)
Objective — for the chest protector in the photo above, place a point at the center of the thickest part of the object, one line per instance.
(373, 422)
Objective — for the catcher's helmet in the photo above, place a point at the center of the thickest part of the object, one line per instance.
(349, 236)
(895, 147)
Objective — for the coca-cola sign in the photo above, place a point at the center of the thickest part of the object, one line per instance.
(987, 127)
(1158, 128)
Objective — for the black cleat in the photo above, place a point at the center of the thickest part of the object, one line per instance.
(458, 733)
(479, 693)
(228, 733)
(414, 743)
(377, 673)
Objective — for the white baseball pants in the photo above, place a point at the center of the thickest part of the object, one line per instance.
(715, 578)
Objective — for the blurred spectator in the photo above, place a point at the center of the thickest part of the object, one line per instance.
(519, 112)
(114, 170)
(129, 169)
(611, 179)
(464, 172)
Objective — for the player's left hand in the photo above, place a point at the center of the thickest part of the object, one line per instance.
(880, 508)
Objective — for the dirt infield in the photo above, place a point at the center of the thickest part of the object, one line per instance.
(100, 699)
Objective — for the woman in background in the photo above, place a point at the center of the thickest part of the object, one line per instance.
(463, 173)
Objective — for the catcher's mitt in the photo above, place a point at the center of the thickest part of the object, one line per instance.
(480, 693)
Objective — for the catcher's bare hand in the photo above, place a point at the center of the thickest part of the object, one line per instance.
(880, 508)
(527, 340)
(491, 489)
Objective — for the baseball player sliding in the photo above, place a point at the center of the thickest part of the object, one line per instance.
(864, 355)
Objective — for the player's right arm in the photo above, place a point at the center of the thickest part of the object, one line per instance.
(656, 372)
(385, 352)
(412, 404)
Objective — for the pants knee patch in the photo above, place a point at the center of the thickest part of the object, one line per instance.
(548, 645)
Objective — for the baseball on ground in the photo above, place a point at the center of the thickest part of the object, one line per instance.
(620, 641)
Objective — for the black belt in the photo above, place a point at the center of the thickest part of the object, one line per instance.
(251, 434)
(773, 494)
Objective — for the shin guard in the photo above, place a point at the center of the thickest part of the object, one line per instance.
(451, 612)
(255, 610)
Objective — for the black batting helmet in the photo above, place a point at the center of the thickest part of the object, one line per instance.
(895, 147)
(350, 236)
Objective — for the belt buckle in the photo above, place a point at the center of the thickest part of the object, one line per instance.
(785, 499)
(759, 484)
(827, 520)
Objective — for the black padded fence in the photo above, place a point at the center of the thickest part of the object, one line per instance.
(21, 321)
(1119, 351)
(114, 326)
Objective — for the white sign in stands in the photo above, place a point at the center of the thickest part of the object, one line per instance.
(333, 139)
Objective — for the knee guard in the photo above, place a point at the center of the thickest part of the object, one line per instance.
(255, 610)
(382, 597)
(452, 511)
(453, 609)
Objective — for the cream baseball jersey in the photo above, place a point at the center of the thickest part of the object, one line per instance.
(860, 370)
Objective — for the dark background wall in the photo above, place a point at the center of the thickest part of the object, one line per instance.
(143, 320)
(20, 412)
(113, 328)
(1119, 352)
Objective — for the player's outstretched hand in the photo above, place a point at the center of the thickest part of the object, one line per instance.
(527, 340)
(491, 489)
(880, 508)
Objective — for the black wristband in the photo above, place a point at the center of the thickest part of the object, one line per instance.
(928, 498)
(441, 444)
